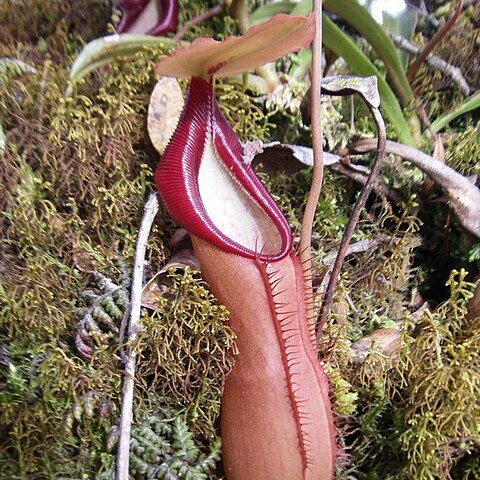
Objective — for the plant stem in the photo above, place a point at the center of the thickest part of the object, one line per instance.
(437, 38)
(317, 141)
(454, 73)
(123, 454)
(197, 20)
(352, 221)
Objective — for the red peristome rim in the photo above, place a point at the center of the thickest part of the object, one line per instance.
(176, 176)
(168, 22)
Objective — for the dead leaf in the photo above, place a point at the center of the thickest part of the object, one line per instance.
(385, 340)
(182, 257)
(166, 104)
(82, 260)
(276, 156)
(341, 85)
(366, 87)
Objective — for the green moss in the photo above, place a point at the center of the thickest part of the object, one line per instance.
(442, 385)
(75, 171)
(186, 349)
(243, 111)
(462, 150)
(417, 411)
(29, 20)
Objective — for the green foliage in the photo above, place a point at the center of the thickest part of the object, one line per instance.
(164, 446)
(74, 174)
(441, 373)
(460, 49)
(218, 27)
(99, 321)
(417, 411)
(462, 150)
(283, 107)
(359, 17)
(242, 110)
(343, 46)
(186, 349)
(471, 103)
(106, 50)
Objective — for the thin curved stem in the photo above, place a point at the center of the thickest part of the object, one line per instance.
(437, 38)
(352, 221)
(317, 141)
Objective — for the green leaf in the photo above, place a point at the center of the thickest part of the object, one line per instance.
(264, 12)
(404, 25)
(359, 18)
(471, 103)
(340, 43)
(105, 50)
(474, 253)
(337, 41)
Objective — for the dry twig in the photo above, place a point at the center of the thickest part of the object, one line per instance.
(454, 73)
(437, 38)
(464, 196)
(150, 211)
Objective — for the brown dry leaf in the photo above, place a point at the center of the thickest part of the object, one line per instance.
(183, 256)
(261, 44)
(286, 158)
(386, 340)
(82, 260)
(166, 104)
(152, 291)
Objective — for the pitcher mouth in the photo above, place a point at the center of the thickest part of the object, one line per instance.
(149, 17)
(210, 191)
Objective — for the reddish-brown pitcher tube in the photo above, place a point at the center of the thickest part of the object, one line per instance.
(276, 415)
(276, 420)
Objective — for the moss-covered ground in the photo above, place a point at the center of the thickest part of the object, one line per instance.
(74, 173)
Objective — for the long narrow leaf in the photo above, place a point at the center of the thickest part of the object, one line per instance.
(343, 46)
(471, 103)
(359, 18)
(404, 25)
(340, 43)
(105, 50)
(263, 13)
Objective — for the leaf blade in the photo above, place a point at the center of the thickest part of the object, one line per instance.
(105, 50)
(471, 103)
(261, 44)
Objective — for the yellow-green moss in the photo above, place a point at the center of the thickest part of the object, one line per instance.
(75, 172)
